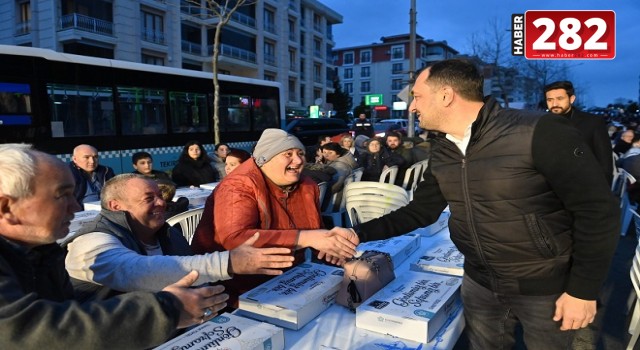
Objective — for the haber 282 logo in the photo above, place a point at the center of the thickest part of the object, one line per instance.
(563, 34)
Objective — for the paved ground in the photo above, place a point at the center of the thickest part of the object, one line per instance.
(609, 331)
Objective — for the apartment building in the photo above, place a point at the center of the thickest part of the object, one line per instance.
(288, 41)
(383, 68)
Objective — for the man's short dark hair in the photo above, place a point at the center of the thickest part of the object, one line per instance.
(461, 74)
(395, 134)
(561, 84)
(140, 155)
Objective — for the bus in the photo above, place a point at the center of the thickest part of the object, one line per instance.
(57, 101)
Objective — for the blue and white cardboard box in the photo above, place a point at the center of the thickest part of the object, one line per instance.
(294, 298)
(414, 306)
(229, 332)
(399, 248)
(442, 257)
(439, 225)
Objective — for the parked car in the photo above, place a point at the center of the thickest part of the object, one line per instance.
(309, 129)
(403, 123)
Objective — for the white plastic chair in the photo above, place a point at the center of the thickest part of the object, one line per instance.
(367, 200)
(188, 222)
(322, 186)
(357, 172)
(389, 175)
(425, 164)
(625, 180)
(634, 326)
(335, 208)
(411, 178)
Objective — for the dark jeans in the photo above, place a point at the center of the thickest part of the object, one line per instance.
(491, 319)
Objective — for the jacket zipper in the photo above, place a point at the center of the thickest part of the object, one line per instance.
(471, 221)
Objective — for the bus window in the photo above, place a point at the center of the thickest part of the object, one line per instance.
(189, 112)
(266, 114)
(15, 104)
(235, 113)
(81, 110)
(142, 111)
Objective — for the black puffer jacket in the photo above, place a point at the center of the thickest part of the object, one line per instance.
(530, 209)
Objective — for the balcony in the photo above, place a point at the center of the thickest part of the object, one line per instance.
(192, 48)
(153, 36)
(243, 19)
(234, 52)
(23, 28)
(191, 9)
(85, 23)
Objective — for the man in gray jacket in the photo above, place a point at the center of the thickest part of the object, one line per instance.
(130, 247)
(37, 306)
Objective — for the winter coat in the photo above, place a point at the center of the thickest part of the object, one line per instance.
(38, 310)
(103, 174)
(191, 172)
(246, 202)
(530, 209)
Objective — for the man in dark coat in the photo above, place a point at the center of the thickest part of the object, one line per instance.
(530, 210)
(88, 174)
(560, 97)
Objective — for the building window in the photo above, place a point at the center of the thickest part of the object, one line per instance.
(302, 63)
(348, 58)
(317, 48)
(397, 52)
(150, 59)
(347, 73)
(269, 77)
(302, 88)
(269, 53)
(396, 84)
(269, 21)
(317, 76)
(317, 23)
(365, 86)
(365, 56)
(292, 90)
(397, 68)
(23, 25)
(152, 27)
(365, 72)
(292, 29)
(348, 88)
(292, 60)
(423, 51)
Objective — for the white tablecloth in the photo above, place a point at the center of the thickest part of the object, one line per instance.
(335, 328)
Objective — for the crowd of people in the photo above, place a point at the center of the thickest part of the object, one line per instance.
(529, 195)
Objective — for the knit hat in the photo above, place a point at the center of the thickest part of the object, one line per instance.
(272, 142)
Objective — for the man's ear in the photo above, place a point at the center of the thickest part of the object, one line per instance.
(447, 94)
(572, 99)
(6, 210)
(114, 205)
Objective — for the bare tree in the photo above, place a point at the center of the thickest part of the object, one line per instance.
(223, 10)
(491, 46)
(514, 72)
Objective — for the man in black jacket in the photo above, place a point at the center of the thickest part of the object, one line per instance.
(530, 210)
(560, 97)
(89, 176)
(37, 306)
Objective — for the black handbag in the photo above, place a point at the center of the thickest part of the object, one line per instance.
(363, 277)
